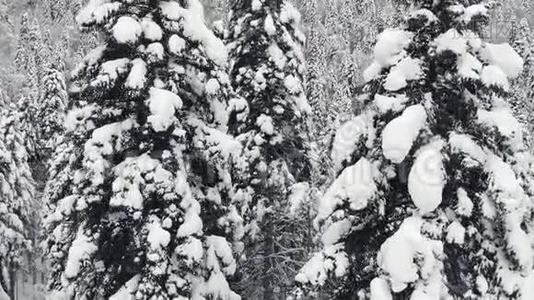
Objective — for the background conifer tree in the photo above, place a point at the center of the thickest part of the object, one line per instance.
(267, 70)
(17, 205)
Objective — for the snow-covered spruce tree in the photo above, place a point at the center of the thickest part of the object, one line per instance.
(323, 106)
(267, 70)
(51, 112)
(30, 56)
(522, 41)
(16, 195)
(22, 56)
(139, 190)
(29, 59)
(434, 194)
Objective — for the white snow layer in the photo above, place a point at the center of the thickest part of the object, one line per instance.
(429, 15)
(81, 249)
(461, 143)
(380, 289)
(501, 61)
(465, 204)
(127, 291)
(293, 84)
(456, 233)
(298, 197)
(176, 44)
(494, 76)
(110, 70)
(427, 178)
(507, 189)
(212, 86)
(332, 259)
(289, 13)
(151, 30)
(277, 55)
(127, 30)
(504, 180)
(155, 51)
(408, 256)
(157, 237)
(389, 50)
(356, 186)
(407, 69)
(97, 11)
(265, 123)
(347, 136)
(194, 27)
(335, 232)
(400, 134)
(221, 143)
(390, 46)
(269, 27)
(372, 71)
(451, 40)
(473, 11)
(390, 103)
(104, 141)
(137, 77)
(256, 5)
(469, 66)
(503, 119)
(220, 262)
(163, 105)
(504, 57)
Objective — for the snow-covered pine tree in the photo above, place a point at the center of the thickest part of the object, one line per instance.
(323, 108)
(434, 194)
(69, 46)
(139, 191)
(30, 56)
(22, 56)
(523, 44)
(29, 60)
(16, 195)
(522, 41)
(267, 70)
(52, 109)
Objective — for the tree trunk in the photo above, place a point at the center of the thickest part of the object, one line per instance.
(12, 281)
(268, 293)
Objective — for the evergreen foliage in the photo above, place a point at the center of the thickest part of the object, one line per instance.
(140, 188)
(433, 196)
(16, 201)
(271, 121)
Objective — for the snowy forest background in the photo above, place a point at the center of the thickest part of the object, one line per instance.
(276, 252)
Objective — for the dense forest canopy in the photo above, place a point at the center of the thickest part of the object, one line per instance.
(266, 149)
